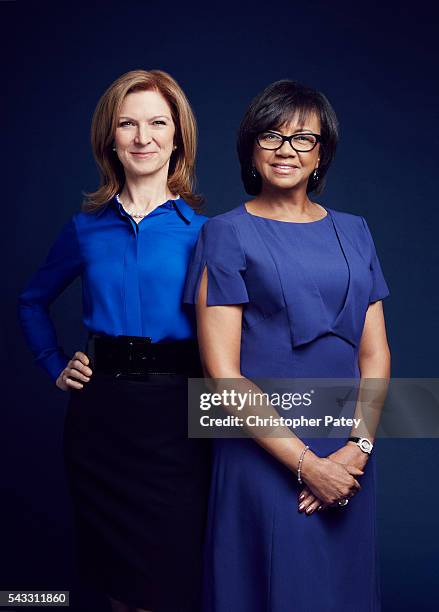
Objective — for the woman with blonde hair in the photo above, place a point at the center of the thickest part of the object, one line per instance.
(139, 485)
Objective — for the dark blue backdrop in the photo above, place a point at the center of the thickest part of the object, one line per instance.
(377, 65)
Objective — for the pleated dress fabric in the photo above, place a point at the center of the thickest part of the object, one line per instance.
(305, 290)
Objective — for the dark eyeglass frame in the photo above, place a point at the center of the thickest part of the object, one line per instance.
(290, 140)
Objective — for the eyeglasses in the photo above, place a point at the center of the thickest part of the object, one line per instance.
(299, 142)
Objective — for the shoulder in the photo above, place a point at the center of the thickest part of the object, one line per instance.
(356, 227)
(198, 220)
(220, 234)
(346, 218)
(82, 219)
(235, 215)
(231, 218)
(351, 224)
(224, 228)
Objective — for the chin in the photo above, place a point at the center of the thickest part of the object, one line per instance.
(284, 184)
(143, 169)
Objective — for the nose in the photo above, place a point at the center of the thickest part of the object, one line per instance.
(286, 150)
(143, 135)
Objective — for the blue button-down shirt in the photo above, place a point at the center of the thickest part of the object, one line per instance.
(132, 277)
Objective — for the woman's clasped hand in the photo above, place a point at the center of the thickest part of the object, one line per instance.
(330, 480)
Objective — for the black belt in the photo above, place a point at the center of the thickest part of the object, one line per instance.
(137, 356)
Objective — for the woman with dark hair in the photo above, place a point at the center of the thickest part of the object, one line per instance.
(287, 288)
(139, 485)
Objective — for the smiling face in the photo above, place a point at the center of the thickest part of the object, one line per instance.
(286, 168)
(144, 137)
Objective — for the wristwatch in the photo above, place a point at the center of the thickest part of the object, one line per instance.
(365, 444)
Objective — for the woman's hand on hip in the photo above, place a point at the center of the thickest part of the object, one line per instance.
(75, 373)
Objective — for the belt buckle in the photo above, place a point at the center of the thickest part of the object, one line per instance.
(136, 357)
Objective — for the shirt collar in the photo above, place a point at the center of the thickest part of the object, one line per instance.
(185, 211)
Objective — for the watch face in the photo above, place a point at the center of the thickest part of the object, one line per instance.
(365, 445)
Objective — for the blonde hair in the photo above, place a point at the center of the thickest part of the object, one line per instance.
(181, 176)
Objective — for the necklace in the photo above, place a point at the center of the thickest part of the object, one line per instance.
(135, 214)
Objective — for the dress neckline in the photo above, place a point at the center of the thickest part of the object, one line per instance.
(287, 222)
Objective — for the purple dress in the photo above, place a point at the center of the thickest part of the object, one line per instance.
(305, 290)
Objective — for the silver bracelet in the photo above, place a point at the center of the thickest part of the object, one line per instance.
(299, 477)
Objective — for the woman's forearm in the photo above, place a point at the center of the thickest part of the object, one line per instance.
(374, 382)
(278, 440)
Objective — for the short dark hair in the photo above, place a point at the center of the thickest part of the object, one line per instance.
(275, 105)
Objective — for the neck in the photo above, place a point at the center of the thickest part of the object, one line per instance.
(294, 200)
(145, 192)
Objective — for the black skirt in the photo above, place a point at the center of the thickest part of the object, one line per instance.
(139, 489)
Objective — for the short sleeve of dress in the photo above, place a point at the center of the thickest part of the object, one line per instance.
(219, 249)
(379, 289)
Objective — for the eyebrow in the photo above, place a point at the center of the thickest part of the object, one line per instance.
(151, 118)
(303, 129)
(298, 131)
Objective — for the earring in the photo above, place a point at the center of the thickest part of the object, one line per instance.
(114, 148)
(315, 175)
(254, 172)
(174, 147)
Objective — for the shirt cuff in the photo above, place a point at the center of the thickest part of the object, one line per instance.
(54, 364)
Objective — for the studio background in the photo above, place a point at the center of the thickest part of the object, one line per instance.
(378, 66)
